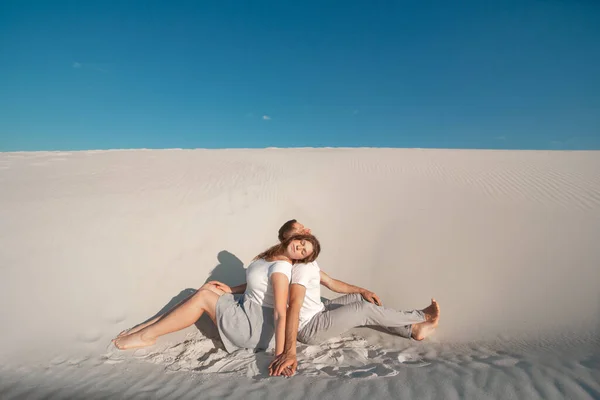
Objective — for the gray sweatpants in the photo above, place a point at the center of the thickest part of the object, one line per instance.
(350, 311)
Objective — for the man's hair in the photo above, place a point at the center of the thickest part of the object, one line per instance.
(285, 228)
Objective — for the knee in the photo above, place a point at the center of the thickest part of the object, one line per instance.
(201, 297)
(357, 297)
(365, 305)
(206, 286)
(210, 288)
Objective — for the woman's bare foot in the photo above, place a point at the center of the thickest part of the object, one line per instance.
(432, 316)
(136, 329)
(133, 341)
(123, 333)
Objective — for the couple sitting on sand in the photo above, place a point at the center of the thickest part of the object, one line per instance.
(285, 271)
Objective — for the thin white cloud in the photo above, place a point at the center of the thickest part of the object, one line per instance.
(266, 118)
(355, 112)
(501, 137)
(91, 66)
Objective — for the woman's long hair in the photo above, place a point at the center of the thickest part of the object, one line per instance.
(279, 248)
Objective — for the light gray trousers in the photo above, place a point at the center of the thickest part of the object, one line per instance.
(350, 311)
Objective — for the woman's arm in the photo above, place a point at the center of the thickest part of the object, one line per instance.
(286, 363)
(239, 289)
(281, 286)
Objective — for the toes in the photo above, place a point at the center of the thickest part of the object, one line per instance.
(119, 344)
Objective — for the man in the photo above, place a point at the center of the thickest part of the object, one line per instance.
(311, 321)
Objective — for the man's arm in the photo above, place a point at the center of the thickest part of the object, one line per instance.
(343, 287)
(286, 362)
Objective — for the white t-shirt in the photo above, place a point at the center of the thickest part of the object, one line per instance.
(258, 280)
(309, 276)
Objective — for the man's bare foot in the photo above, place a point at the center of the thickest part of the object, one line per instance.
(432, 311)
(432, 316)
(133, 341)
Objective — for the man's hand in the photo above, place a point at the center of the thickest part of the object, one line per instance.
(220, 286)
(284, 364)
(370, 297)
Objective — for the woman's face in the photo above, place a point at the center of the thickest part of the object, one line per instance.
(299, 249)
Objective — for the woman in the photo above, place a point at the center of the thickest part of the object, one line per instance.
(250, 322)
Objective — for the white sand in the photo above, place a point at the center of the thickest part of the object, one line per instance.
(507, 241)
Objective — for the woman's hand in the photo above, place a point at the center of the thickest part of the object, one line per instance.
(220, 286)
(284, 364)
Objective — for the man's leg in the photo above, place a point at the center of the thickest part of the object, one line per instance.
(332, 304)
(336, 321)
(402, 331)
(186, 314)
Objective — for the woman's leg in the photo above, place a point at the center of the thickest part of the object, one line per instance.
(186, 314)
(141, 326)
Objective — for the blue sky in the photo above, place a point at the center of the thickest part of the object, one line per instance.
(192, 74)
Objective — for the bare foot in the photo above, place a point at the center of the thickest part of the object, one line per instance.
(133, 341)
(432, 316)
(137, 328)
(123, 333)
(432, 311)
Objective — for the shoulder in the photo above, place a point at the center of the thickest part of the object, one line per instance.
(311, 266)
(304, 272)
(257, 262)
(281, 266)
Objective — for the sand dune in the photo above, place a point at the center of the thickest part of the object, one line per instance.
(507, 242)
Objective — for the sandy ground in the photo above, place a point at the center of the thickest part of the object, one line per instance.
(507, 242)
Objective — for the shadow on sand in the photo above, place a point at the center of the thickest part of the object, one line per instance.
(230, 270)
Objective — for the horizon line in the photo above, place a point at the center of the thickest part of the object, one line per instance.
(292, 148)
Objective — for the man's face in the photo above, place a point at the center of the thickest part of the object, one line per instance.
(298, 229)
